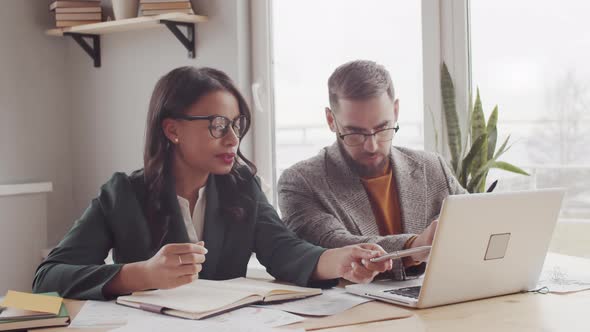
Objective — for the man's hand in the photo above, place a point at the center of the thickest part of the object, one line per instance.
(424, 239)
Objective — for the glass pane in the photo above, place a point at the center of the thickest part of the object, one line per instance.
(311, 38)
(530, 57)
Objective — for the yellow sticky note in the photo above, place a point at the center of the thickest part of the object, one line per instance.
(34, 302)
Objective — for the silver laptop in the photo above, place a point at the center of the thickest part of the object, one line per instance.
(485, 245)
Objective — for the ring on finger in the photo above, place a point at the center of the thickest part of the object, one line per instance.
(180, 259)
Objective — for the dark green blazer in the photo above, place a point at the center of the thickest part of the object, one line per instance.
(115, 220)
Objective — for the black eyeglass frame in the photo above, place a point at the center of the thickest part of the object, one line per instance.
(212, 118)
(395, 129)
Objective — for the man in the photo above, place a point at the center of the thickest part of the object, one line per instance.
(362, 189)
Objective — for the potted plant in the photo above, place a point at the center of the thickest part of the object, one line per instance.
(471, 164)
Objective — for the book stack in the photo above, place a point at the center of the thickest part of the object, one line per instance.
(157, 7)
(20, 311)
(70, 13)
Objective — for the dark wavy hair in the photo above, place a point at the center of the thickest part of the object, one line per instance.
(173, 95)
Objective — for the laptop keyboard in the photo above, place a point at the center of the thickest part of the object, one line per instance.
(411, 292)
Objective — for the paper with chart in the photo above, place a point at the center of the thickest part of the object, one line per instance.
(331, 302)
(182, 325)
(257, 316)
(565, 274)
(109, 314)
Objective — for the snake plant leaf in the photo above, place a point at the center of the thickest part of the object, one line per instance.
(478, 128)
(505, 150)
(476, 180)
(468, 160)
(482, 184)
(478, 122)
(451, 117)
(509, 168)
(492, 132)
(502, 148)
(477, 184)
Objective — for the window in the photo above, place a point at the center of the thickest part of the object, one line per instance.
(311, 38)
(531, 58)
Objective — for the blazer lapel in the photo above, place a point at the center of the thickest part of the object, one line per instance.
(174, 227)
(346, 185)
(410, 179)
(214, 230)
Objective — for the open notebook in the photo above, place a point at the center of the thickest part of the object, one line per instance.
(204, 298)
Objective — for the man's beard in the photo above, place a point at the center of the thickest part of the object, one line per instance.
(364, 170)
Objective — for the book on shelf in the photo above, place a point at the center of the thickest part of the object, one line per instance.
(161, 1)
(66, 24)
(17, 319)
(165, 11)
(74, 4)
(205, 298)
(78, 17)
(166, 5)
(73, 10)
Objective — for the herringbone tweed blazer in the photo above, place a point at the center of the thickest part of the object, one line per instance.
(324, 201)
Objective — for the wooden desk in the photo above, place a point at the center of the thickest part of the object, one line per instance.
(518, 312)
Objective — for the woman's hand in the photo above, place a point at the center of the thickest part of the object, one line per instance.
(175, 264)
(352, 263)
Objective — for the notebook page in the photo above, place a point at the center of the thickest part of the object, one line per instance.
(265, 288)
(195, 297)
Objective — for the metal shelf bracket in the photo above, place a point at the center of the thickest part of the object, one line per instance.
(188, 40)
(93, 51)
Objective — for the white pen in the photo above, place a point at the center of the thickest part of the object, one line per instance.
(400, 254)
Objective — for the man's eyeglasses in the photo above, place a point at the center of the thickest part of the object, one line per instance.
(381, 135)
(219, 125)
(357, 139)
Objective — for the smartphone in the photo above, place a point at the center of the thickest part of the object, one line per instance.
(401, 254)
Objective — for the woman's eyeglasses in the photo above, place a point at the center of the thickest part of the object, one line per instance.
(219, 125)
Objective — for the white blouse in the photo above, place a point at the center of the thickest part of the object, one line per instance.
(194, 225)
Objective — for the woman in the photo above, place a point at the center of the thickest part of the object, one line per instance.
(196, 185)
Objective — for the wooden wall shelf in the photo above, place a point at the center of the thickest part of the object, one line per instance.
(172, 21)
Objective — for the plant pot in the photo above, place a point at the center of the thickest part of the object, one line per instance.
(123, 9)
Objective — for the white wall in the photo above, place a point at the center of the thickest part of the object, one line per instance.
(64, 121)
(35, 124)
(21, 243)
(109, 104)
